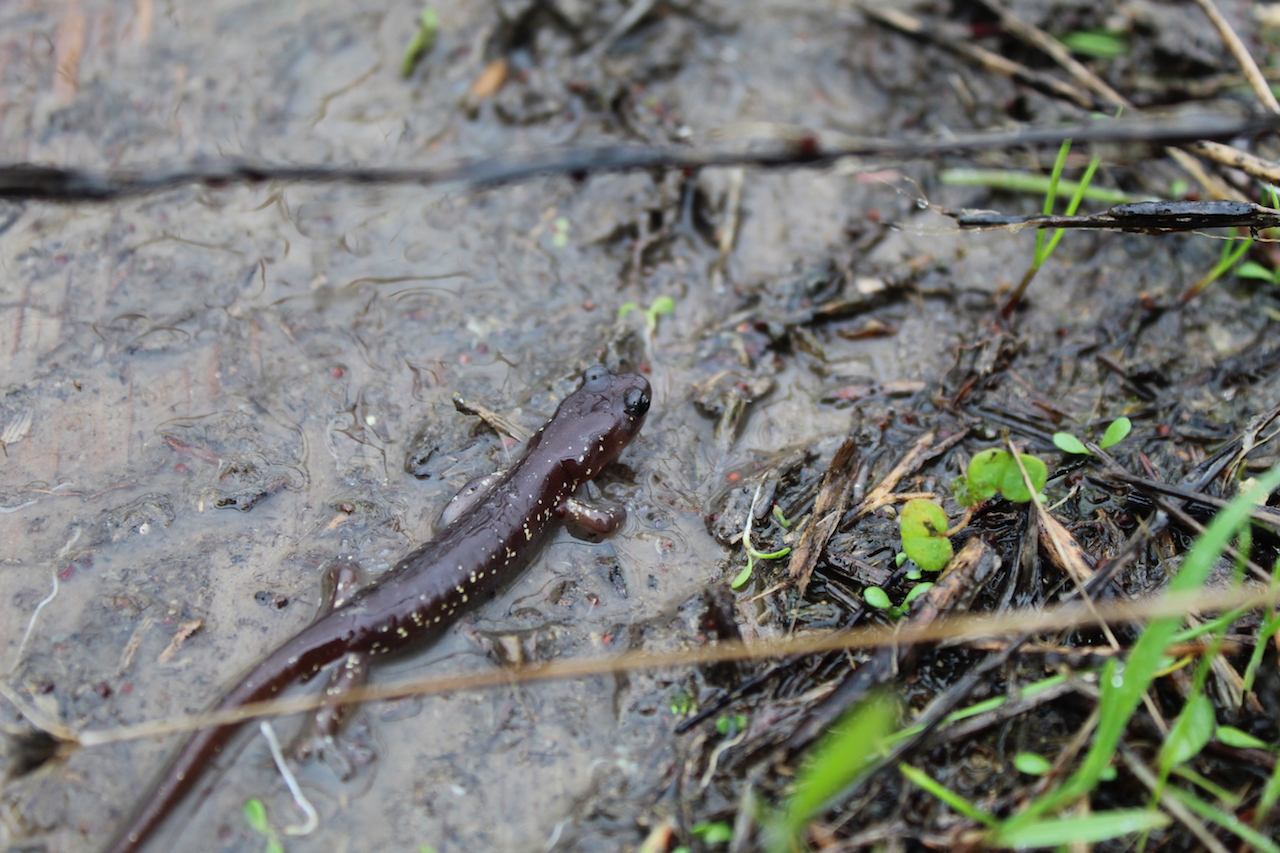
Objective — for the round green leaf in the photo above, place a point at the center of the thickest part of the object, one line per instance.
(1068, 443)
(986, 473)
(1116, 432)
(876, 597)
(1032, 764)
(1014, 488)
(923, 526)
(916, 591)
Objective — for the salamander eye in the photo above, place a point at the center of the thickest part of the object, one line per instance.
(596, 378)
(635, 402)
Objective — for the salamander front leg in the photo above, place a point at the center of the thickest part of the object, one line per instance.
(342, 578)
(592, 523)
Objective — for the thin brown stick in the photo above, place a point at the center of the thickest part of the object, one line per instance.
(1058, 52)
(1250, 164)
(987, 59)
(971, 626)
(1169, 804)
(1241, 53)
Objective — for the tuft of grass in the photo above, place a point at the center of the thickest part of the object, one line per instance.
(1045, 244)
(1232, 251)
(1123, 685)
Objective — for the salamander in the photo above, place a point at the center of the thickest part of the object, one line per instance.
(472, 557)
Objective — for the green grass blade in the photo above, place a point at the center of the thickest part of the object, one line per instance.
(1123, 686)
(1026, 182)
(1209, 812)
(848, 749)
(958, 803)
(1085, 829)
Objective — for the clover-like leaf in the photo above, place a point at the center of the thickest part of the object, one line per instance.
(923, 526)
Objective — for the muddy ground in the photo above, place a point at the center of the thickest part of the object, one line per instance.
(210, 393)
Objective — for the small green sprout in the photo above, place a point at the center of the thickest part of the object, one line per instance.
(1232, 736)
(876, 597)
(994, 472)
(1097, 44)
(730, 724)
(682, 703)
(255, 814)
(1191, 732)
(843, 755)
(1032, 764)
(420, 44)
(752, 554)
(560, 232)
(1232, 252)
(1117, 431)
(1045, 244)
(713, 832)
(1255, 270)
(661, 305)
(780, 518)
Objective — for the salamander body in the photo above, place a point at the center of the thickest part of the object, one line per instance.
(473, 556)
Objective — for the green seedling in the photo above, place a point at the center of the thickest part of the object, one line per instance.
(1097, 44)
(1255, 270)
(1032, 764)
(255, 814)
(661, 305)
(923, 526)
(560, 232)
(420, 44)
(994, 472)
(876, 597)
(1055, 832)
(682, 703)
(1045, 244)
(1117, 431)
(730, 724)
(752, 554)
(713, 832)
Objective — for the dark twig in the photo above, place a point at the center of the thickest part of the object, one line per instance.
(51, 183)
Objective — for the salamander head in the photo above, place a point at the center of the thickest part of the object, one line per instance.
(595, 422)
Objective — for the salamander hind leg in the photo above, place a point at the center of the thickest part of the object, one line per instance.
(321, 737)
